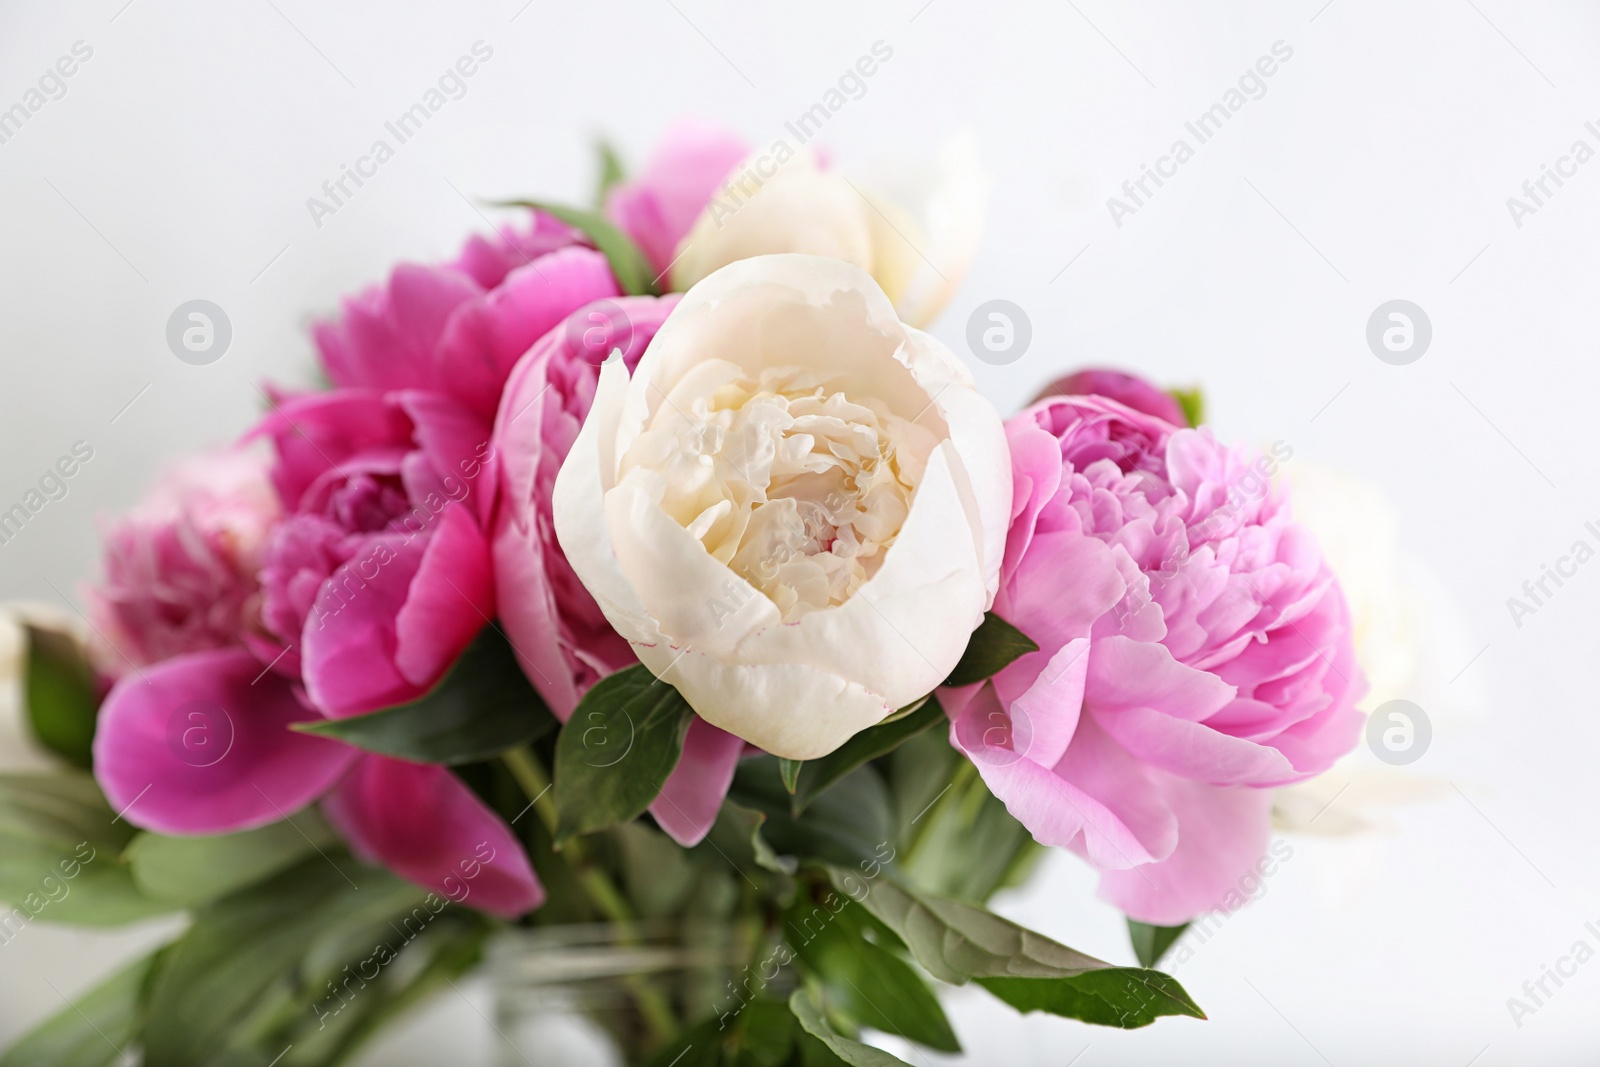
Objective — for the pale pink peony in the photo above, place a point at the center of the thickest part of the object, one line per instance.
(560, 635)
(180, 568)
(659, 206)
(1194, 648)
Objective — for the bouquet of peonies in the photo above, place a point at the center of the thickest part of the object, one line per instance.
(648, 565)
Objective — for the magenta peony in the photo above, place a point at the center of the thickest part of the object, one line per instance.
(1194, 648)
(457, 329)
(180, 569)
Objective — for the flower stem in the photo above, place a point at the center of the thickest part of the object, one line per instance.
(603, 893)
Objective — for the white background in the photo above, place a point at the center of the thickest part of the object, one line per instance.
(1376, 166)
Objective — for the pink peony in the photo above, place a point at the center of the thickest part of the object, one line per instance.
(457, 329)
(180, 568)
(659, 206)
(372, 585)
(378, 578)
(560, 635)
(1194, 649)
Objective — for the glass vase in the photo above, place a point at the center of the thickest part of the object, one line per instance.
(602, 995)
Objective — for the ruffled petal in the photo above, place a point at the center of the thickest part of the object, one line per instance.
(1219, 861)
(451, 598)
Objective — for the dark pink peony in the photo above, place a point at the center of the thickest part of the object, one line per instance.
(457, 329)
(1129, 389)
(1194, 649)
(378, 578)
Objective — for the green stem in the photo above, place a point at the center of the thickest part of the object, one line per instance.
(965, 772)
(602, 891)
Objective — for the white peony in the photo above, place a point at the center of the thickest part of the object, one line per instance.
(795, 509)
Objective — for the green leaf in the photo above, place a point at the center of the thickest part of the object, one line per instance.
(1150, 943)
(611, 173)
(958, 943)
(60, 855)
(867, 982)
(967, 845)
(482, 707)
(737, 838)
(615, 753)
(789, 770)
(818, 774)
(700, 1046)
(448, 949)
(1193, 403)
(853, 1053)
(1125, 997)
(657, 875)
(190, 871)
(994, 644)
(848, 824)
(60, 694)
(627, 262)
(92, 1030)
(245, 966)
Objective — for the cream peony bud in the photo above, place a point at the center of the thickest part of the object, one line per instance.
(915, 231)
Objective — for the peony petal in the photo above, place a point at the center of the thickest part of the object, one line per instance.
(693, 793)
(450, 599)
(349, 642)
(658, 206)
(903, 630)
(1054, 806)
(387, 336)
(787, 709)
(486, 336)
(579, 506)
(456, 442)
(152, 759)
(1218, 864)
(421, 822)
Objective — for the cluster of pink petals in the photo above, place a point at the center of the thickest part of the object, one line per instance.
(561, 637)
(372, 582)
(180, 569)
(659, 206)
(1194, 649)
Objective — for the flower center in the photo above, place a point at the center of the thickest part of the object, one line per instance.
(798, 488)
